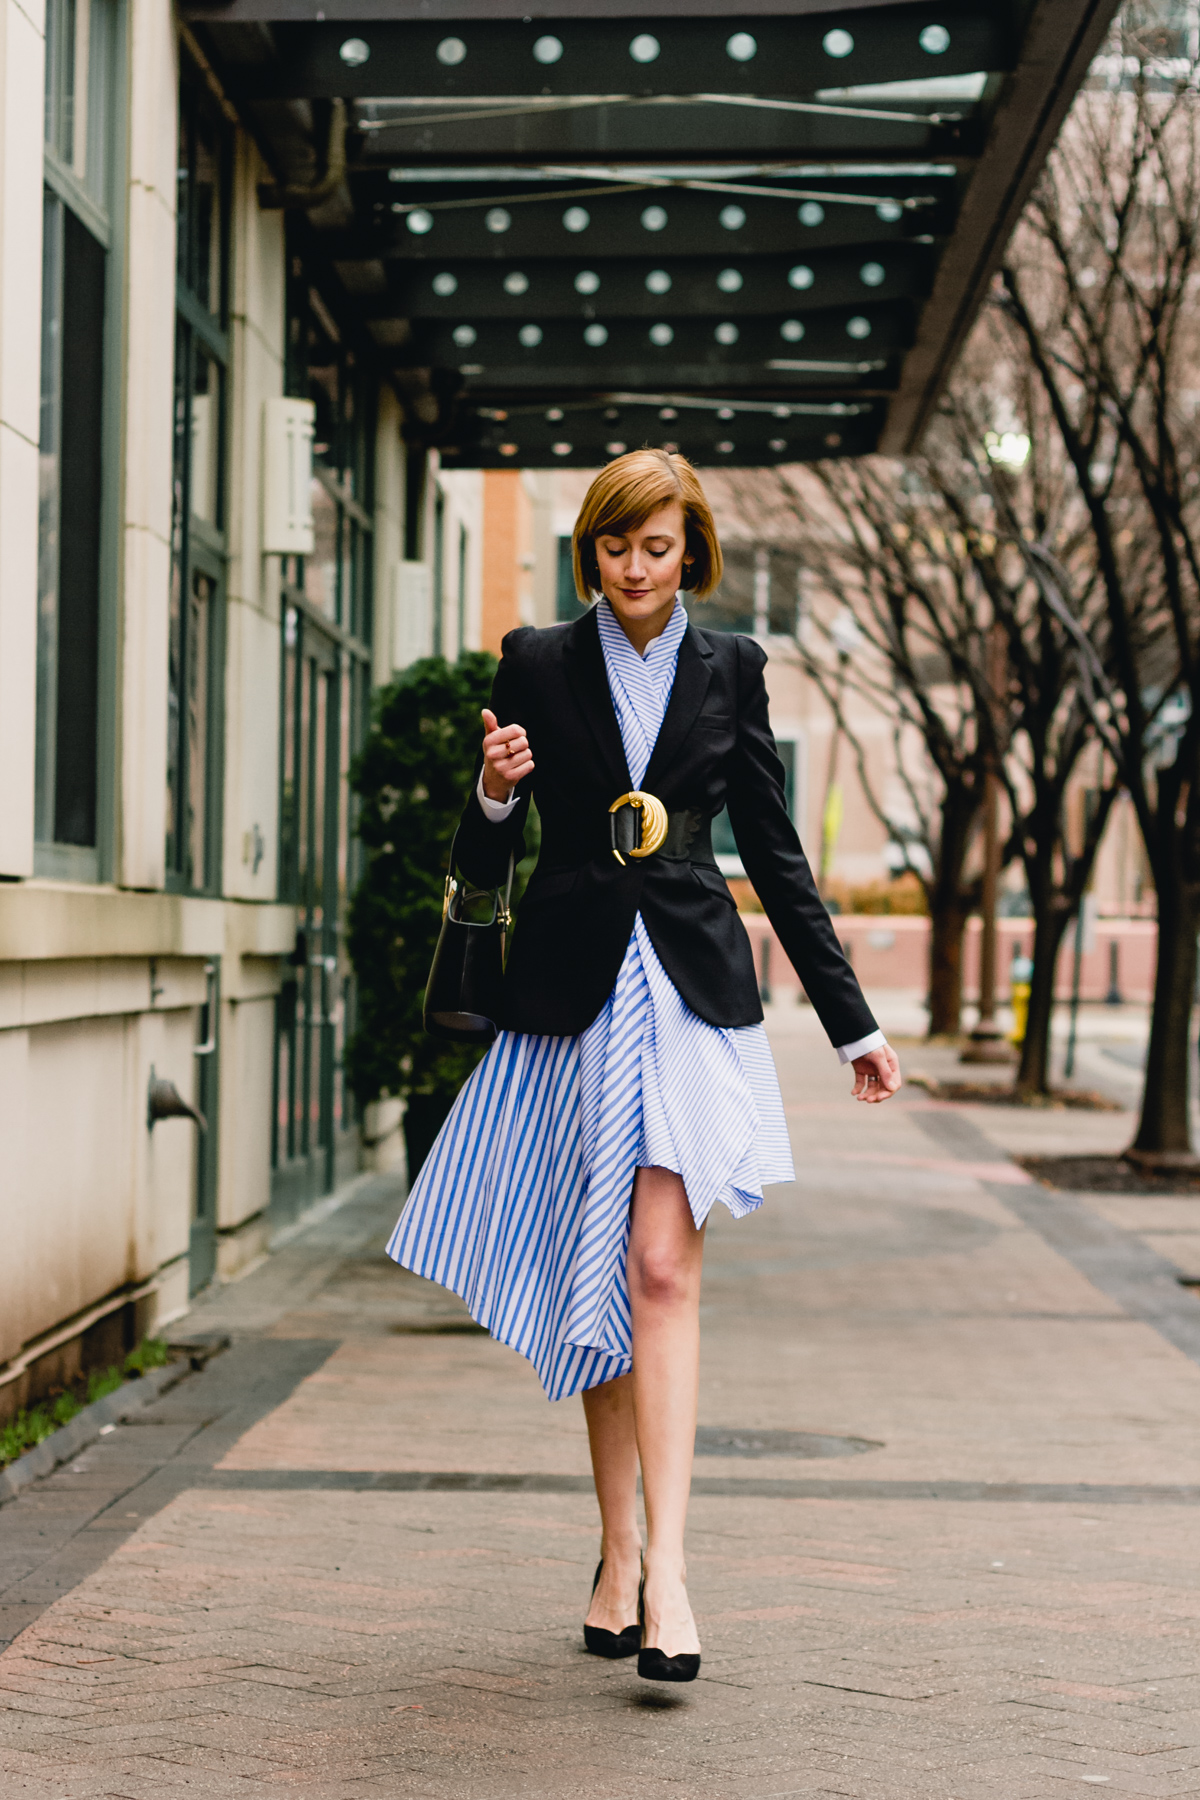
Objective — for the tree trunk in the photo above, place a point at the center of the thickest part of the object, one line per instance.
(949, 908)
(947, 927)
(1033, 1076)
(1165, 1126)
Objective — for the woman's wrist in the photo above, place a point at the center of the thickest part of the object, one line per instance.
(495, 811)
(495, 786)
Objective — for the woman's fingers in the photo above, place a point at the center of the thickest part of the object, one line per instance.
(506, 747)
(516, 768)
(501, 735)
(876, 1075)
(505, 743)
(506, 751)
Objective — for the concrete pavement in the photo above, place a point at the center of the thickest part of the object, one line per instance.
(352, 1556)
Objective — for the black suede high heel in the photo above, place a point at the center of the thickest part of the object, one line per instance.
(611, 1643)
(653, 1663)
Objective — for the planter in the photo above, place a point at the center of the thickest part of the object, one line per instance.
(383, 1136)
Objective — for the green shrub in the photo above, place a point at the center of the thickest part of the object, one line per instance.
(28, 1428)
(101, 1382)
(412, 777)
(151, 1353)
(31, 1425)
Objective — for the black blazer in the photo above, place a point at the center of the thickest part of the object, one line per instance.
(575, 919)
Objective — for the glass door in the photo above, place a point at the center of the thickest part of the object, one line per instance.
(312, 1139)
(325, 701)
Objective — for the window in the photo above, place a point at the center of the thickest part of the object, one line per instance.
(196, 615)
(567, 602)
(758, 593)
(76, 490)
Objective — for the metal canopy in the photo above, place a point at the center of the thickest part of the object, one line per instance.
(758, 232)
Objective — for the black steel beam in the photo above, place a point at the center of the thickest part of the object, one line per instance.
(455, 11)
(604, 348)
(750, 456)
(493, 59)
(558, 439)
(653, 131)
(776, 378)
(720, 288)
(597, 425)
(658, 223)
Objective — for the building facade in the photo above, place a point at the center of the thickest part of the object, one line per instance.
(190, 631)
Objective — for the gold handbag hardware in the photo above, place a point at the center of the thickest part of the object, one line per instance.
(654, 822)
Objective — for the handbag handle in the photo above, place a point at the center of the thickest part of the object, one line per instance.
(501, 911)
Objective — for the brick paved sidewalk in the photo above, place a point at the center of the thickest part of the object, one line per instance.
(352, 1557)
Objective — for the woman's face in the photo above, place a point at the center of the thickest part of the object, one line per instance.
(640, 571)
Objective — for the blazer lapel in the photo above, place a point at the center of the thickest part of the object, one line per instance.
(588, 680)
(692, 676)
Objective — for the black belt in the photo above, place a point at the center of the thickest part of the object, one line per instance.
(641, 826)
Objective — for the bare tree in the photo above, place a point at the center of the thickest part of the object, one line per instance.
(935, 559)
(874, 545)
(1099, 291)
(1015, 506)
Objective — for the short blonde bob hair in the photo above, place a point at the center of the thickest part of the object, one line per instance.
(624, 495)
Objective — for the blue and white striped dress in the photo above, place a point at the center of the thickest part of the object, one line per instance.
(522, 1206)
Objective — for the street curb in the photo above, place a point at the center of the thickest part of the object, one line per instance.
(86, 1426)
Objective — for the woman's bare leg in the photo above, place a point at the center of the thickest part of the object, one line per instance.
(665, 1257)
(613, 1441)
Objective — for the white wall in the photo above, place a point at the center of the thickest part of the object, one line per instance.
(543, 577)
(146, 537)
(388, 548)
(462, 491)
(95, 1200)
(252, 649)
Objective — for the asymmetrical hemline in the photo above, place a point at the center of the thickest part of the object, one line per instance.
(522, 1206)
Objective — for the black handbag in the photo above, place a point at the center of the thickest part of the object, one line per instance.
(462, 995)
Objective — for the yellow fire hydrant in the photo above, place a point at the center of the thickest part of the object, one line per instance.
(1019, 977)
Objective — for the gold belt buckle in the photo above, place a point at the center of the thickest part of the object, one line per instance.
(654, 822)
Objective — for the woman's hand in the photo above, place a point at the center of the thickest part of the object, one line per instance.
(507, 758)
(876, 1075)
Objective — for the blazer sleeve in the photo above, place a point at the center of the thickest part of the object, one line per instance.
(774, 860)
(483, 846)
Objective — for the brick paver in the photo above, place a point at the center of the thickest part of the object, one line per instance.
(297, 1574)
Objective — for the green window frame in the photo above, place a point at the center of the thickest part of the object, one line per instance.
(79, 438)
(196, 618)
(325, 700)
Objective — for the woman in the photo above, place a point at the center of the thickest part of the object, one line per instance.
(631, 1085)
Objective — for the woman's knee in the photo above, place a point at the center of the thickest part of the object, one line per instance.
(661, 1275)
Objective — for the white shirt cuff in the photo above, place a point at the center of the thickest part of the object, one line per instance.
(874, 1040)
(495, 811)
